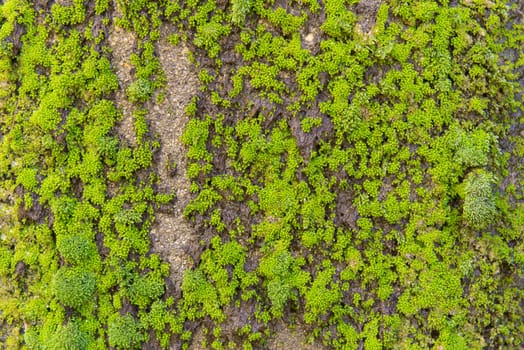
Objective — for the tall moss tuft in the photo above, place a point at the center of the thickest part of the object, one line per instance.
(479, 202)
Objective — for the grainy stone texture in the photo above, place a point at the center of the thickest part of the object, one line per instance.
(172, 234)
(123, 44)
(293, 339)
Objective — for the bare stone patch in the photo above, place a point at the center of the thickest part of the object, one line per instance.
(171, 233)
(123, 44)
(366, 11)
(292, 339)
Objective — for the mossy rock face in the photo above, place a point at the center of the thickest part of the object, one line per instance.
(73, 286)
(351, 169)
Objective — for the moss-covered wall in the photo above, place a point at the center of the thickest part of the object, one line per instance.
(356, 169)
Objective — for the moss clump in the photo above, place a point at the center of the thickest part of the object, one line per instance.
(124, 332)
(479, 202)
(73, 286)
(139, 91)
(69, 337)
(76, 249)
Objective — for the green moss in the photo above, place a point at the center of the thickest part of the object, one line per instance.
(144, 290)
(73, 286)
(101, 6)
(200, 297)
(139, 91)
(239, 10)
(322, 295)
(124, 332)
(69, 337)
(77, 250)
(479, 203)
(283, 278)
(471, 149)
(69, 15)
(27, 178)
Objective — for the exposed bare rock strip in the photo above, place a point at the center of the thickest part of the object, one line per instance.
(172, 235)
(123, 43)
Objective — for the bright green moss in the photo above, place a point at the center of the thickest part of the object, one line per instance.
(5, 261)
(95, 192)
(68, 15)
(479, 204)
(124, 332)
(139, 91)
(339, 21)
(144, 290)
(27, 178)
(158, 318)
(77, 250)
(69, 337)
(385, 117)
(239, 10)
(195, 136)
(101, 6)
(73, 286)
(200, 297)
(289, 23)
(283, 278)
(309, 123)
(471, 149)
(65, 118)
(322, 295)
(278, 199)
(208, 35)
